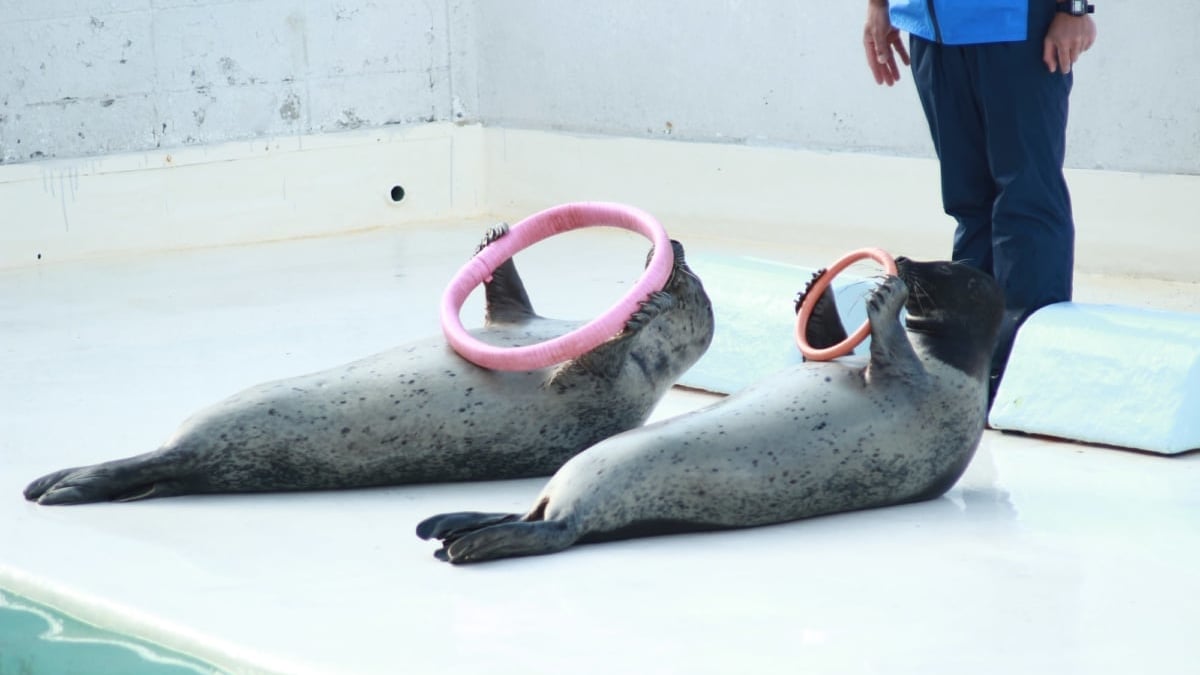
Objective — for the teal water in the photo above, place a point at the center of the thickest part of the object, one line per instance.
(37, 640)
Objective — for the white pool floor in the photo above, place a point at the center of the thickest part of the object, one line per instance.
(1047, 557)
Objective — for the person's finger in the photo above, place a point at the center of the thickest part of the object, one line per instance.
(872, 60)
(879, 57)
(895, 73)
(893, 69)
(898, 45)
(891, 72)
(1064, 59)
(1048, 52)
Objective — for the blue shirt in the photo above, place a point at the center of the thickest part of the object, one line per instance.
(962, 22)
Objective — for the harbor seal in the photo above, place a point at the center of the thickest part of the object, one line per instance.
(817, 438)
(419, 412)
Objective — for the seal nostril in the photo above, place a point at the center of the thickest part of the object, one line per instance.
(397, 193)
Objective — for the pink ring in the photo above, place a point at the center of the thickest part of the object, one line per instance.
(524, 234)
(814, 293)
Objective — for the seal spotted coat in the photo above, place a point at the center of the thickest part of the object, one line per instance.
(817, 438)
(420, 412)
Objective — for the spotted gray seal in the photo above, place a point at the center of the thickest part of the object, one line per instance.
(817, 438)
(420, 412)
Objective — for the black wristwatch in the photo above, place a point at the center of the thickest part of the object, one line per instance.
(1076, 7)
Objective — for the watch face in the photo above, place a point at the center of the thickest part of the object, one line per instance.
(1078, 7)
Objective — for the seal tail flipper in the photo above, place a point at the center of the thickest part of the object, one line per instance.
(825, 327)
(507, 300)
(37, 488)
(509, 540)
(454, 525)
(119, 480)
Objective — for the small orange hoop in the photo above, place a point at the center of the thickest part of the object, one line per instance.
(814, 293)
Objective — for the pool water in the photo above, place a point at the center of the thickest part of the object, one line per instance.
(37, 640)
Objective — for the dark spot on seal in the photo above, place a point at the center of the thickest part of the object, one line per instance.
(345, 430)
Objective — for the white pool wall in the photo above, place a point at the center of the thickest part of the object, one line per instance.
(1129, 224)
(120, 122)
(86, 78)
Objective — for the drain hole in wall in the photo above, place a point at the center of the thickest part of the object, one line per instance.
(397, 193)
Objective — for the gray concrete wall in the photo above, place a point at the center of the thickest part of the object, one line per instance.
(793, 73)
(86, 77)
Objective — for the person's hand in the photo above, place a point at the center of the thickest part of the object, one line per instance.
(1068, 38)
(879, 39)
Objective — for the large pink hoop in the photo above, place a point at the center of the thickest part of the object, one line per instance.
(814, 293)
(524, 234)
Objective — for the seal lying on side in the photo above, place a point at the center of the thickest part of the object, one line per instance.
(419, 412)
(815, 439)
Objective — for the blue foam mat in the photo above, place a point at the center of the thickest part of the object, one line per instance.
(753, 303)
(1105, 374)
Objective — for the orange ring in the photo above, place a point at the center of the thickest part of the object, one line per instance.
(814, 293)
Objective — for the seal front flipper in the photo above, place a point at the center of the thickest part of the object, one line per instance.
(891, 350)
(507, 300)
(610, 358)
(825, 327)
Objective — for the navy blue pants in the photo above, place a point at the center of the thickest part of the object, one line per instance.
(998, 119)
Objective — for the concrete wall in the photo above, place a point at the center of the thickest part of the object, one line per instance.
(793, 74)
(87, 77)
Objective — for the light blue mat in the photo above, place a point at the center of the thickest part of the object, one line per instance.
(1105, 374)
(753, 302)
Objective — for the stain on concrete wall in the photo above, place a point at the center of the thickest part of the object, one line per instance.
(81, 78)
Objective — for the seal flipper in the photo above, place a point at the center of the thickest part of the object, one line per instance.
(610, 358)
(119, 480)
(510, 540)
(453, 525)
(825, 327)
(891, 351)
(507, 300)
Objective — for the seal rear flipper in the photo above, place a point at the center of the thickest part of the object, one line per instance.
(120, 480)
(507, 300)
(449, 526)
(510, 540)
(825, 327)
(610, 358)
